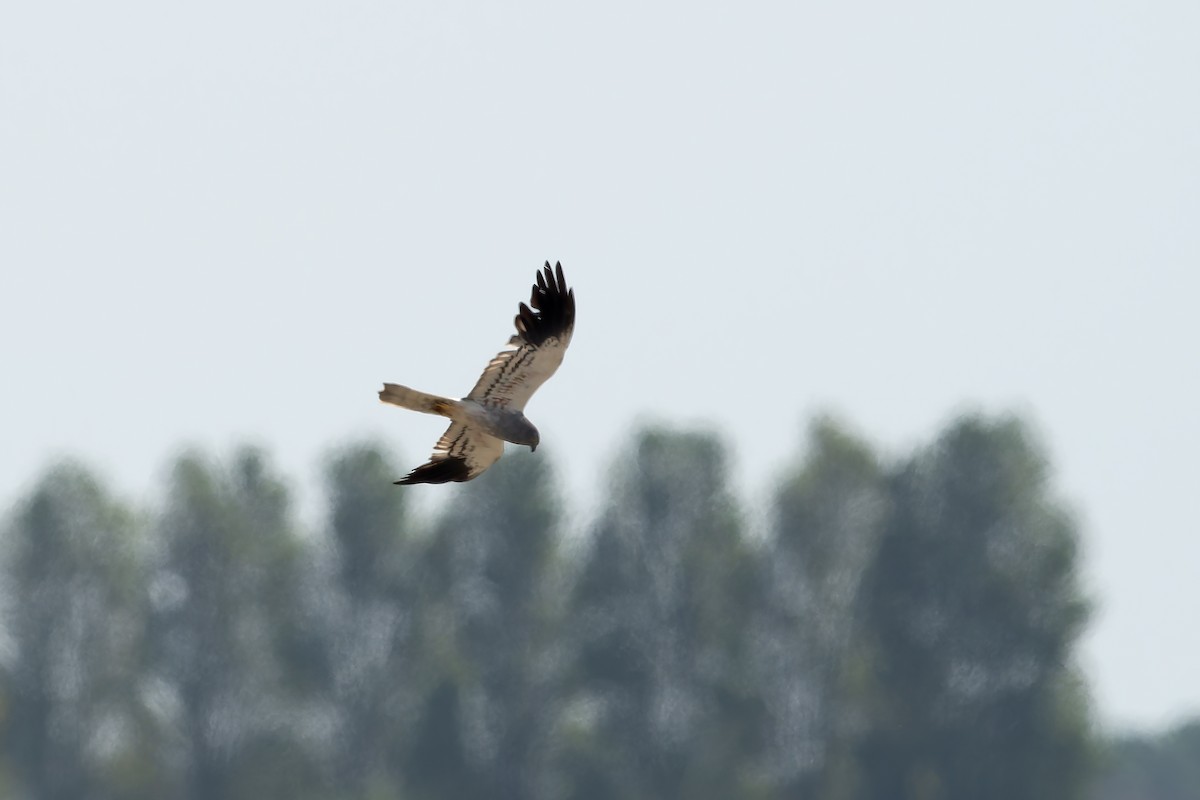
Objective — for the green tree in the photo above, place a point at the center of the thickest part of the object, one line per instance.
(75, 724)
(974, 607)
(661, 703)
(369, 609)
(226, 592)
(1161, 767)
(829, 515)
(489, 603)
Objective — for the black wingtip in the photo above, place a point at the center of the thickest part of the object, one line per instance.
(444, 470)
(551, 309)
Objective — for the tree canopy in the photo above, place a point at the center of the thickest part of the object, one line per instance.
(902, 628)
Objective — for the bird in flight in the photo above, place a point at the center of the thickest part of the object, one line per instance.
(493, 412)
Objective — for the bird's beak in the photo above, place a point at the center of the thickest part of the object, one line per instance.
(533, 448)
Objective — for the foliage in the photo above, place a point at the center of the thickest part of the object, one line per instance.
(901, 629)
(829, 517)
(76, 585)
(658, 705)
(973, 607)
(1156, 767)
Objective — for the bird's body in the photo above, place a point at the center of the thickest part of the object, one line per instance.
(493, 412)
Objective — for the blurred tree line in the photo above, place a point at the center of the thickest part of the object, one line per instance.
(904, 628)
(1164, 766)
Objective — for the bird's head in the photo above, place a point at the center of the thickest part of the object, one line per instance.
(516, 428)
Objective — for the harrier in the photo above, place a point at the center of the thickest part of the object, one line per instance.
(493, 412)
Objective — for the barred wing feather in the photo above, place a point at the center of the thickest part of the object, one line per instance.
(462, 453)
(535, 352)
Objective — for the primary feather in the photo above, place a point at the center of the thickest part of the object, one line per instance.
(536, 351)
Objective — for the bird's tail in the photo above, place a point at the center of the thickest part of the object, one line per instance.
(405, 397)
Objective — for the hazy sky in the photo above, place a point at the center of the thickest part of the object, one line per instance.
(231, 221)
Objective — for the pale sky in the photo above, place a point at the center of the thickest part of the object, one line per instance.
(230, 221)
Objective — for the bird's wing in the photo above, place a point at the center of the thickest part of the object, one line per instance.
(533, 355)
(462, 453)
